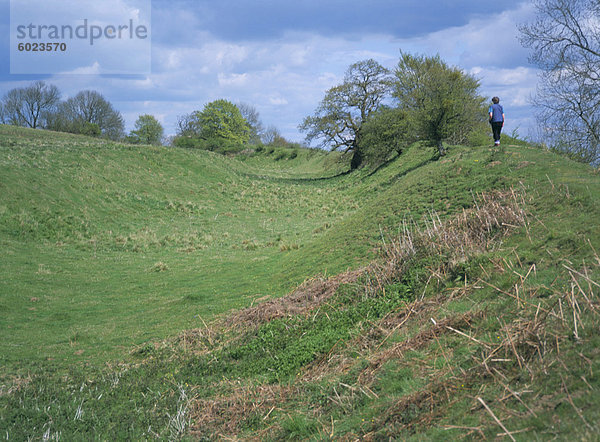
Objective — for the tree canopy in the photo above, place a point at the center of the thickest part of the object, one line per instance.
(441, 102)
(220, 122)
(148, 130)
(221, 119)
(434, 103)
(386, 132)
(29, 106)
(86, 110)
(339, 117)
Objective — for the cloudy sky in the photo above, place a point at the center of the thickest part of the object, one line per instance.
(281, 56)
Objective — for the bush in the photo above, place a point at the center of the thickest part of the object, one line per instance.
(281, 156)
(219, 145)
(387, 132)
(481, 135)
(187, 142)
(90, 129)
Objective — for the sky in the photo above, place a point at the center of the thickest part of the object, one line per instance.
(281, 56)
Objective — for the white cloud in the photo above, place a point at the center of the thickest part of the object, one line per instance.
(94, 69)
(278, 101)
(489, 41)
(237, 80)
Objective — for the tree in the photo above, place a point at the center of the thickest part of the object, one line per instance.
(29, 106)
(386, 132)
(222, 119)
(147, 130)
(219, 123)
(338, 119)
(565, 44)
(272, 137)
(440, 101)
(88, 107)
(252, 117)
(188, 125)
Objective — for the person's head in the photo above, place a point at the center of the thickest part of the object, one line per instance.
(495, 100)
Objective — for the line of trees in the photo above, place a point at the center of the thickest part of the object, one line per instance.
(429, 101)
(39, 106)
(220, 125)
(373, 113)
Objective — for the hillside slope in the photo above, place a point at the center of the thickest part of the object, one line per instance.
(110, 246)
(453, 297)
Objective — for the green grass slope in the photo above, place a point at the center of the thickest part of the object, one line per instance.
(109, 246)
(156, 293)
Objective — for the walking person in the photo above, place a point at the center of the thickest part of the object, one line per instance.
(496, 119)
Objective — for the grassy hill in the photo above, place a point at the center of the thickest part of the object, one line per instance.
(164, 293)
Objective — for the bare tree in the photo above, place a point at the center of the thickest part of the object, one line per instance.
(89, 108)
(341, 114)
(272, 136)
(565, 44)
(29, 106)
(252, 117)
(187, 125)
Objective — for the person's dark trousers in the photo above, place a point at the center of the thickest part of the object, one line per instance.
(496, 129)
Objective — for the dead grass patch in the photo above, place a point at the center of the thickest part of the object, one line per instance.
(226, 415)
(13, 384)
(307, 297)
(472, 231)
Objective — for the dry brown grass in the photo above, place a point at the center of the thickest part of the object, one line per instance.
(473, 230)
(223, 416)
(524, 343)
(308, 296)
(305, 298)
(528, 345)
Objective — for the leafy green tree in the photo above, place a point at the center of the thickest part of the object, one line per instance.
(29, 106)
(440, 102)
(338, 120)
(220, 123)
(222, 119)
(148, 130)
(386, 132)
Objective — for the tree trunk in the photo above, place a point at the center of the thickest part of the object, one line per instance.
(357, 159)
(441, 149)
